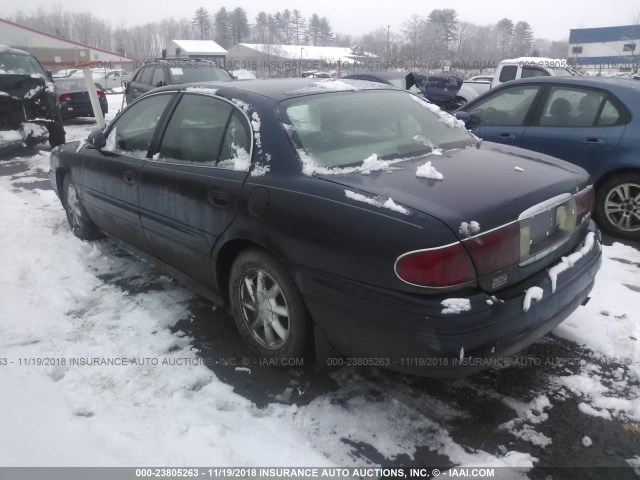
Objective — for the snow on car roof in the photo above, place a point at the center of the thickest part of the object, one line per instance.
(279, 89)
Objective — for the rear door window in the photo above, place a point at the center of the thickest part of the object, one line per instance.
(206, 131)
(571, 107)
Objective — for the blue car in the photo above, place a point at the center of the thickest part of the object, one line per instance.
(593, 122)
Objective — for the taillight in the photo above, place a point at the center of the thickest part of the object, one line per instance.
(585, 201)
(496, 249)
(65, 97)
(101, 94)
(437, 267)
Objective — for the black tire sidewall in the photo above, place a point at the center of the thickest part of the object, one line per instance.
(601, 195)
(298, 340)
(57, 134)
(85, 229)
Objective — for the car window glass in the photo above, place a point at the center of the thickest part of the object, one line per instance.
(610, 114)
(508, 72)
(146, 75)
(158, 76)
(235, 153)
(132, 132)
(197, 72)
(508, 107)
(195, 132)
(138, 76)
(571, 107)
(528, 72)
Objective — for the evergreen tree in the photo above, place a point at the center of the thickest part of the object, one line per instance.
(202, 23)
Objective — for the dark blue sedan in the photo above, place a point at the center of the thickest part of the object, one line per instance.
(593, 122)
(339, 219)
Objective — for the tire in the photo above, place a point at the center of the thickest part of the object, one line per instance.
(56, 132)
(618, 206)
(267, 308)
(79, 221)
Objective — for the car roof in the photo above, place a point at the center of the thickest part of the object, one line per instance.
(283, 88)
(383, 75)
(4, 48)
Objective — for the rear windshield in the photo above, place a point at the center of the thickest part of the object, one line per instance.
(197, 72)
(72, 85)
(342, 129)
(21, 64)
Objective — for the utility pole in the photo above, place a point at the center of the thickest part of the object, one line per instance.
(388, 43)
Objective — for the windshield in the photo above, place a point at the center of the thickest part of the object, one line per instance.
(563, 72)
(343, 129)
(197, 72)
(72, 85)
(18, 63)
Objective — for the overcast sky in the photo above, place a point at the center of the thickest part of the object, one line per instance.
(549, 18)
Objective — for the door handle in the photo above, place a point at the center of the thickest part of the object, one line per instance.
(218, 198)
(507, 137)
(129, 177)
(594, 142)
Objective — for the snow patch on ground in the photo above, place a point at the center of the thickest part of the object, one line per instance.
(529, 414)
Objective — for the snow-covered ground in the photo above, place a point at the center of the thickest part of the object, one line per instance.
(139, 393)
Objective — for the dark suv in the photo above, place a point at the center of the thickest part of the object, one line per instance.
(29, 105)
(171, 71)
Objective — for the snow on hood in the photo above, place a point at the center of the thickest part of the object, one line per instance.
(429, 171)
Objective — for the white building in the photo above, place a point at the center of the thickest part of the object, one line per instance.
(196, 49)
(56, 53)
(609, 48)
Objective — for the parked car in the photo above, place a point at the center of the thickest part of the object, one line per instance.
(440, 90)
(161, 72)
(512, 69)
(340, 217)
(593, 122)
(29, 107)
(74, 98)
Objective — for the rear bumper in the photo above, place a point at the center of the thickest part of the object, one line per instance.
(81, 110)
(409, 333)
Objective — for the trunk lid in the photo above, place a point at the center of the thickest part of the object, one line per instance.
(483, 189)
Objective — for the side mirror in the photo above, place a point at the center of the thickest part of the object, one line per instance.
(160, 84)
(125, 85)
(464, 116)
(97, 139)
(50, 75)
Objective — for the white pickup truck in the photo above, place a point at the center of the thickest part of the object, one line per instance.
(511, 69)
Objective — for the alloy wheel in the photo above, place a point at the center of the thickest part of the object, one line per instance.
(264, 308)
(622, 207)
